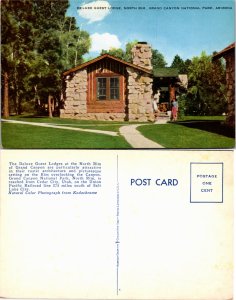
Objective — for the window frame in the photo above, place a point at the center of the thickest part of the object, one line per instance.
(108, 87)
(97, 89)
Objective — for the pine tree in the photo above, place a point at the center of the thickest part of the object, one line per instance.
(158, 60)
(179, 64)
(38, 43)
(75, 43)
(16, 43)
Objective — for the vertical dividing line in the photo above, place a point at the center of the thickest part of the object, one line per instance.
(117, 226)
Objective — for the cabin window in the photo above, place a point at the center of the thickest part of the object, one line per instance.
(102, 88)
(114, 88)
(108, 88)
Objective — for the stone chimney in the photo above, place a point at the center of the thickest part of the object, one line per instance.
(142, 55)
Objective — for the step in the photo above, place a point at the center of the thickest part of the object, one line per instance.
(162, 120)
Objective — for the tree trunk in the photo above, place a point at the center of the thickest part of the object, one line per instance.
(17, 95)
(50, 98)
(76, 55)
(17, 103)
(6, 96)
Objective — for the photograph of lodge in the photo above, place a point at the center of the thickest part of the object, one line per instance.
(76, 80)
(108, 88)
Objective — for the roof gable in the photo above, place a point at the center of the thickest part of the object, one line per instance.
(84, 65)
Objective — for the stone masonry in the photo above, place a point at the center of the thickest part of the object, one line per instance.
(230, 79)
(228, 54)
(75, 94)
(139, 96)
(138, 92)
(142, 55)
(75, 106)
(140, 85)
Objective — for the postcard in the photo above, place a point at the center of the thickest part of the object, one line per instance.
(117, 225)
(117, 158)
(118, 74)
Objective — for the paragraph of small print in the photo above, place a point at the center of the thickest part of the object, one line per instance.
(54, 178)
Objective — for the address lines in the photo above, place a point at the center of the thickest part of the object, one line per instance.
(117, 228)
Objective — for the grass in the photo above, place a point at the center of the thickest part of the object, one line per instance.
(85, 124)
(202, 118)
(200, 132)
(18, 136)
(178, 136)
(104, 127)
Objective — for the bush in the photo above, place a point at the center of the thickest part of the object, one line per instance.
(182, 105)
(28, 106)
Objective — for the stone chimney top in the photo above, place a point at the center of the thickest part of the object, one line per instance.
(142, 55)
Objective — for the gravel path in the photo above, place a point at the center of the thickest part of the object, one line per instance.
(135, 138)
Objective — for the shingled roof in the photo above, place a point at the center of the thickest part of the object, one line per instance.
(165, 72)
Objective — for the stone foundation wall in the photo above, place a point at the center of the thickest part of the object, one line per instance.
(139, 96)
(95, 116)
(230, 79)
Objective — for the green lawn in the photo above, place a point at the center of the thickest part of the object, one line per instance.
(201, 132)
(174, 135)
(202, 118)
(29, 137)
(84, 124)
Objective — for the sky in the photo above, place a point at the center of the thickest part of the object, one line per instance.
(172, 27)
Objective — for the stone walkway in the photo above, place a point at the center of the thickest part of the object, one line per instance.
(135, 138)
(129, 132)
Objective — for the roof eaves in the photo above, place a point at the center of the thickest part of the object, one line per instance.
(84, 65)
(130, 64)
(221, 53)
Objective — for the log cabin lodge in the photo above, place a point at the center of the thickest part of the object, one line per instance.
(108, 88)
